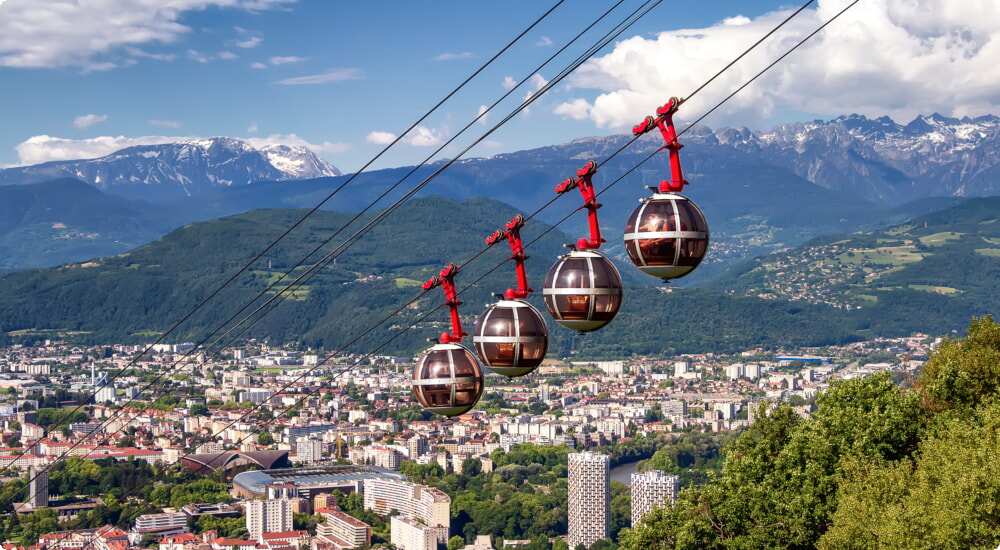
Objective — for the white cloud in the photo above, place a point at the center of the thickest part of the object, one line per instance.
(86, 121)
(227, 55)
(508, 83)
(535, 83)
(336, 75)
(39, 149)
(380, 138)
(251, 42)
(578, 109)
(173, 124)
(453, 56)
(882, 57)
(544, 41)
(252, 129)
(194, 55)
(421, 136)
(258, 65)
(58, 33)
(283, 60)
(481, 115)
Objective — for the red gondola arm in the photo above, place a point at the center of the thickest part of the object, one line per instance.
(446, 280)
(512, 234)
(582, 181)
(664, 120)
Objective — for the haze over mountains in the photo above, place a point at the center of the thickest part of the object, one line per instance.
(761, 191)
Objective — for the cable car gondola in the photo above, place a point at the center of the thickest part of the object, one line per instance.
(667, 235)
(583, 290)
(510, 337)
(447, 378)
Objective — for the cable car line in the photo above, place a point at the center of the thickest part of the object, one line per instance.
(546, 231)
(392, 338)
(473, 258)
(603, 42)
(288, 231)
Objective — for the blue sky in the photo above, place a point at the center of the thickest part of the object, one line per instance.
(81, 78)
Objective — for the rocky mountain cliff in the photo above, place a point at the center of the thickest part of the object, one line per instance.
(185, 168)
(880, 159)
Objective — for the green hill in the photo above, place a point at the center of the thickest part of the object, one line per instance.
(931, 274)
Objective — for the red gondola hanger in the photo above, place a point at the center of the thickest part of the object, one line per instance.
(583, 290)
(447, 378)
(667, 235)
(510, 337)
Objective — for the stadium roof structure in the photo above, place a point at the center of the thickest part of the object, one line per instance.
(230, 459)
(255, 482)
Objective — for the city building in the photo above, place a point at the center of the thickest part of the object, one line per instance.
(268, 516)
(342, 530)
(38, 495)
(589, 486)
(408, 534)
(652, 489)
(428, 505)
(309, 450)
(147, 522)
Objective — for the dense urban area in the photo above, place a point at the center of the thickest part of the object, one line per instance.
(118, 447)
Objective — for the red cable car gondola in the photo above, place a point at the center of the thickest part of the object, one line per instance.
(510, 337)
(667, 235)
(583, 290)
(447, 379)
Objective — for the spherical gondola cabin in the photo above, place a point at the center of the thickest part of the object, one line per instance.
(666, 236)
(511, 338)
(447, 380)
(583, 291)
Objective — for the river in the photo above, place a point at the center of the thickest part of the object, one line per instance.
(623, 472)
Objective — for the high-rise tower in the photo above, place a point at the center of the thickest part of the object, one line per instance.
(652, 489)
(589, 498)
(38, 492)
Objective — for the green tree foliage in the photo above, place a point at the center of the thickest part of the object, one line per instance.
(875, 467)
(963, 371)
(198, 491)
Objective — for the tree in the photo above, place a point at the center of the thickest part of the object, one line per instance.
(265, 438)
(456, 543)
(963, 372)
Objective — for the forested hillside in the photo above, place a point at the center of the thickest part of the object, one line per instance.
(876, 466)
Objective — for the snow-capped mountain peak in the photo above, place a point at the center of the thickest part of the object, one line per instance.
(185, 167)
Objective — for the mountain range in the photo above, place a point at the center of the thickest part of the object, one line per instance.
(761, 191)
(182, 169)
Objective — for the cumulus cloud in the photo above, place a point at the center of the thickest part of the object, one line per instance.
(508, 83)
(544, 41)
(251, 42)
(421, 136)
(336, 75)
(882, 57)
(481, 115)
(380, 138)
(258, 65)
(56, 33)
(535, 83)
(86, 121)
(39, 149)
